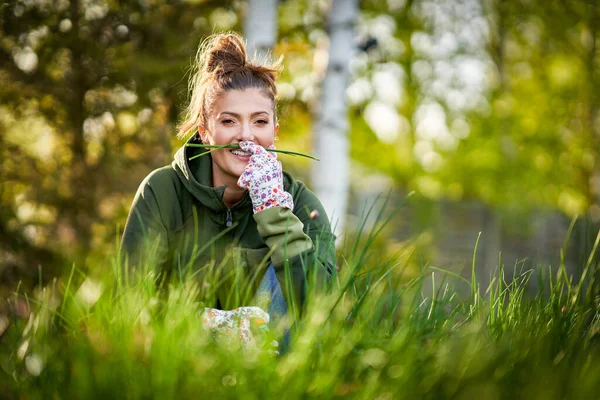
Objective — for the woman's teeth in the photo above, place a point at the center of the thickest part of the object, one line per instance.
(241, 153)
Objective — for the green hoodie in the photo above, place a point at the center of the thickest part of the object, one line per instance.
(178, 222)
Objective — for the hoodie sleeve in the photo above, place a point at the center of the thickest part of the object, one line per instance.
(301, 243)
(144, 243)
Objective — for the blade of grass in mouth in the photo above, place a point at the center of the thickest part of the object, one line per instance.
(215, 147)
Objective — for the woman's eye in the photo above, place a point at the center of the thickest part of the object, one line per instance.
(262, 121)
(227, 121)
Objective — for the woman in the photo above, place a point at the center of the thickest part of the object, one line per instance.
(233, 214)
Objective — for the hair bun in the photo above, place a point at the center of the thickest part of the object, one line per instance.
(221, 65)
(226, 53)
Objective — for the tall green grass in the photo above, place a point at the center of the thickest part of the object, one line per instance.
(373, 335)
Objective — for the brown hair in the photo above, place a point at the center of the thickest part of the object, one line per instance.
(221, 65)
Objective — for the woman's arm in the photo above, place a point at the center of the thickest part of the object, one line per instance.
(295, 254)
(316, 224)
(144, 245)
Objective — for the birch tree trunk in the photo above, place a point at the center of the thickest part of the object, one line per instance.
(260, 28)
(330, 176)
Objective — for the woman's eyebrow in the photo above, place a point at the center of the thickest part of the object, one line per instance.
(238, 115)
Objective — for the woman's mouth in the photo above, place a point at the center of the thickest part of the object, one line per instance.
(241, 153)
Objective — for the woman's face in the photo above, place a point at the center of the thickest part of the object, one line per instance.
(238, 115)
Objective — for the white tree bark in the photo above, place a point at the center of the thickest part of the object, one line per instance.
(260, 28)
(330, 176)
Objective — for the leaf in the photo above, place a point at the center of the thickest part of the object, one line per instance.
(216, 147)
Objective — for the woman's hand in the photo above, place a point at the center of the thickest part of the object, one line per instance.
(244, 327)
(263, 179)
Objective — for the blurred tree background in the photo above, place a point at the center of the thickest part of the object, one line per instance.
(487, 102)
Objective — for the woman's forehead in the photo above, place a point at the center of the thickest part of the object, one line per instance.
(243, 102)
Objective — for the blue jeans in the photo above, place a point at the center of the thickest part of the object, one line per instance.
(269, 293)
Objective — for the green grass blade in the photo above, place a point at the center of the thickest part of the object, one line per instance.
(215, 147)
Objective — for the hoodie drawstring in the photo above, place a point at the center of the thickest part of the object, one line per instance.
(229, 218)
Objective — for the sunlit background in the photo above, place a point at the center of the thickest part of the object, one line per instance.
(487, 109)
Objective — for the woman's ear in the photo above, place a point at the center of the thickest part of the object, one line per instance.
(202, 134)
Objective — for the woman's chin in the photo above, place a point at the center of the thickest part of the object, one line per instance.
(241, 159)
(238, 171)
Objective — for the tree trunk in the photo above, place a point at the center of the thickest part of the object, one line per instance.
(261, 27)
(330, 176)
(83, 204)
(594, 20)
(594, 132)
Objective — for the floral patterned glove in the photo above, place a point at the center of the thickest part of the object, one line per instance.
(243, 327)
(263, 179)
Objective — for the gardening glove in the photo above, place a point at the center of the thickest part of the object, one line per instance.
(264, 179)
(244, 327)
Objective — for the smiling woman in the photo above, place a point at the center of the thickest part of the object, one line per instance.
(234, 208)
(238, 115)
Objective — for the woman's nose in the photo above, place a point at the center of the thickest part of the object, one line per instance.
(247, 132)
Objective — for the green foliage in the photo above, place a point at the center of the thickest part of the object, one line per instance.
(89, 100)
(369, 336)
(90, 89)
(527, 138)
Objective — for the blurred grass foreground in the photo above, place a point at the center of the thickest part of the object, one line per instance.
(373, 335)
(488, 110)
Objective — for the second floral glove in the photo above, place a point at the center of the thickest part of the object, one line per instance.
(263, 178)
(245, 327)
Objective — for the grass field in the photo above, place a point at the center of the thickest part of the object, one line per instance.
(372, 336)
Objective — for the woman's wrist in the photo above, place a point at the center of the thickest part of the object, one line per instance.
(281, 199)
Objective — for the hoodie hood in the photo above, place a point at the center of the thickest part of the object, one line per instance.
(196, 176)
